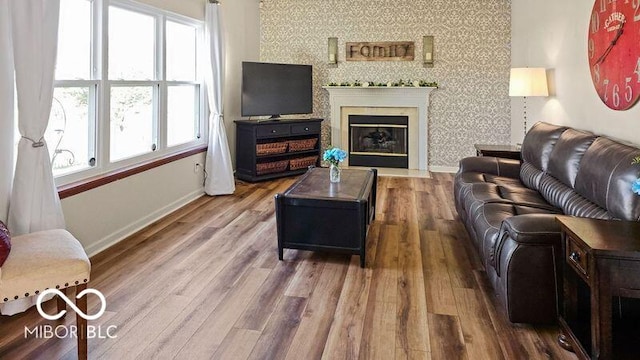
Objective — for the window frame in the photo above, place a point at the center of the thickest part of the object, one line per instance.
(100, 113)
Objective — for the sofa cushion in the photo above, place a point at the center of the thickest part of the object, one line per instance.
(567, 153)
(502, 180)
(538, 144)
(490, 165)
(488, 193)
(465, 181)
(470, 178)
(605, 177)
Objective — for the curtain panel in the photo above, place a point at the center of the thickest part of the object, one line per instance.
(218, 164)
(6, 110)
(34, 204)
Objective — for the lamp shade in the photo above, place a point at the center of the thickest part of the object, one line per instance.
(528, 82)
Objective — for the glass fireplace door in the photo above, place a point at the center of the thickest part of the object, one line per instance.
(378, 141)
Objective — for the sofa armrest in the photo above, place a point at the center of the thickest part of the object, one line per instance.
(491, 165)
(527, 265)
(532, 229)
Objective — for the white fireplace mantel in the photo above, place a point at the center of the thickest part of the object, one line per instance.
(385, 97)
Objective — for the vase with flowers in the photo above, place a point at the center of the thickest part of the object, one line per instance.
(334, 156)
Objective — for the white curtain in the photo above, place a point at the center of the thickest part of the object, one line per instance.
(218, 163)
(34, 204)
(6, 110)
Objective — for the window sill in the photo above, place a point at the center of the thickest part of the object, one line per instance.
(77, 187)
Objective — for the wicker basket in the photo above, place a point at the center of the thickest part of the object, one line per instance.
(302, 163)
(302, 145)
(272, 167)
(271, 148)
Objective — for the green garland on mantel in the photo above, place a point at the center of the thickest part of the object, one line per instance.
(399, 83)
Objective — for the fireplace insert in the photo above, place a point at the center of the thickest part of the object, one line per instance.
(378, 141)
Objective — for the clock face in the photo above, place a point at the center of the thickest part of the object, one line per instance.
(614, 51)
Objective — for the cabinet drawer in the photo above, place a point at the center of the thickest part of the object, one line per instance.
(272, 130)
(620, 278)
(577, 257)
(297, 129)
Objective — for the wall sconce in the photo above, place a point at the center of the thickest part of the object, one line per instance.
(333, 51)
(427, 51)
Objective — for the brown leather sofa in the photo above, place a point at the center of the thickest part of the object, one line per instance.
(509, 209)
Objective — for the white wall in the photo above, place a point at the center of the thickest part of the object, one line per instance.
(553, 34)
(107, 214)
(242, 24)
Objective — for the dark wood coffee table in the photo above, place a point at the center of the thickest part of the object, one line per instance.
(315, 214)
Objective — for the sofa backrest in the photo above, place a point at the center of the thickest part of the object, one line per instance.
(565, 157)
(536, 149)
(605, 176)
(539, 142)
(556, 185)
(580, 173)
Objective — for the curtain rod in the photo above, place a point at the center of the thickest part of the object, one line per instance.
(214, 1)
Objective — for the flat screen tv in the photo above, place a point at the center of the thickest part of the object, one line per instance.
(276, 89)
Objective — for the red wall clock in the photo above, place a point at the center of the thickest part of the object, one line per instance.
(613, 50)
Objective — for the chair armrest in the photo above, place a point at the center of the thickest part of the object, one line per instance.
(533, 229)
(491, 165)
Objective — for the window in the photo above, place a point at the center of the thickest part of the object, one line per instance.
(70, 134)
(131, 121)
(183, 91)
(182, 114)
(131, 45)
(127, 87)
(70, 130)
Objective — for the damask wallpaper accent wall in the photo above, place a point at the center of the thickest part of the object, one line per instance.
(472, 59)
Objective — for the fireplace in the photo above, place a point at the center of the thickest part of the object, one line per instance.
(379, 141)
(410, 102)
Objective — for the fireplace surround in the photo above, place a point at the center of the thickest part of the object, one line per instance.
(412, 102)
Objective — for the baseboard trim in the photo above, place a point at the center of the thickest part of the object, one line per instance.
(444, 169)
(115, 237)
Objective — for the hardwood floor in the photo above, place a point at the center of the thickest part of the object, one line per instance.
(205, 282)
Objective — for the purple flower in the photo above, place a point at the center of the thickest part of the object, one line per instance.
(635, 186)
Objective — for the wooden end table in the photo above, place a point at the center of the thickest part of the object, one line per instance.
(601, 260)
(501, 151)
(315, 214)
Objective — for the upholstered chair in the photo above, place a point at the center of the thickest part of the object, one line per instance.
(51, 259)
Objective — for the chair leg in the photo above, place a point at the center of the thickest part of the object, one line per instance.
(62, 305)
(81, 322)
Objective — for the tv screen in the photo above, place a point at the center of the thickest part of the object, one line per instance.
(276, 89)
